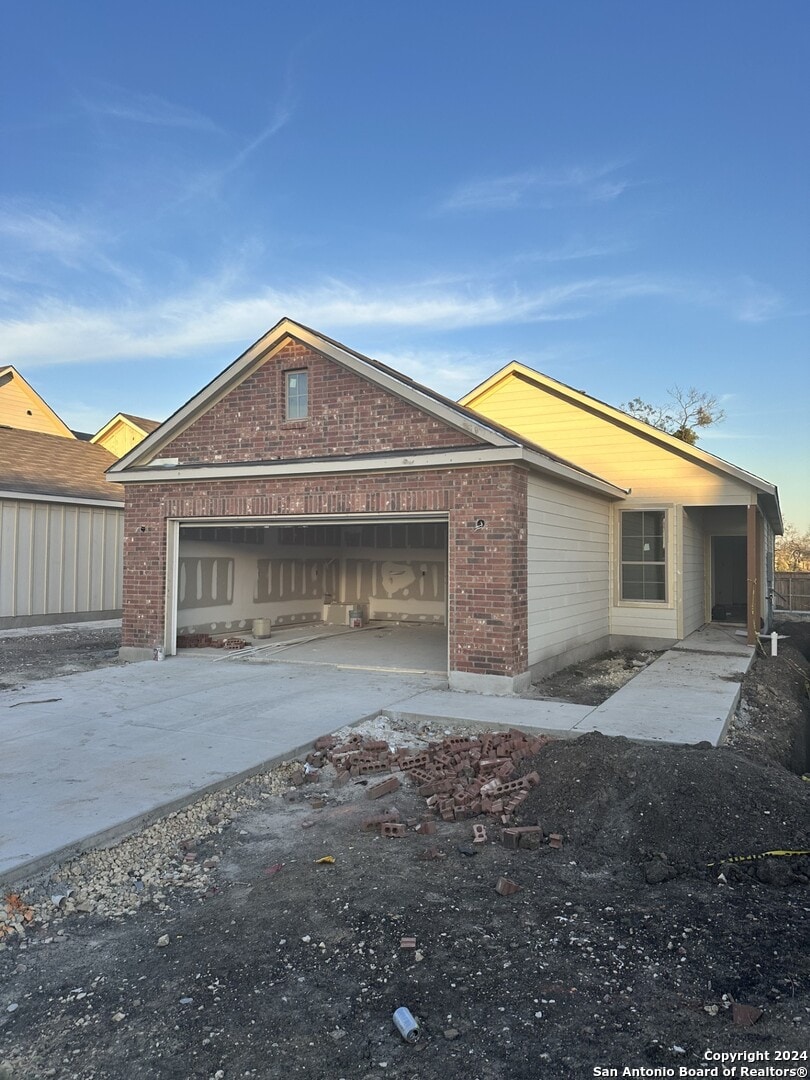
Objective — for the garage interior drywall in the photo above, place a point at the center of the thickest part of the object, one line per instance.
(308, 574)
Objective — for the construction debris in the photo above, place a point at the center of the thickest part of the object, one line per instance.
(460, 776)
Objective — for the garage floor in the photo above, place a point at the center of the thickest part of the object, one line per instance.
(404, 647)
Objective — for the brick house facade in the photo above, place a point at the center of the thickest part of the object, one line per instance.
(373, 446)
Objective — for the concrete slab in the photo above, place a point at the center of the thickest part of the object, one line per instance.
(550, 717)
(715, 638)
(685, 696)
(119, 746)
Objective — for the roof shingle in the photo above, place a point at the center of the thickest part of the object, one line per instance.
(34, 463)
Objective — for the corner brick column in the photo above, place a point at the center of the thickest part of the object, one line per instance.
(487, 575)
(144, 587)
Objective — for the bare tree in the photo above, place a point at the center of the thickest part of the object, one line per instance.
(793, 550)
(686, 411)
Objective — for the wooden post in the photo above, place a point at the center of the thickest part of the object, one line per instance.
(753, 602)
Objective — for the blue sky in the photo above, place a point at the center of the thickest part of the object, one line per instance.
(615, 193)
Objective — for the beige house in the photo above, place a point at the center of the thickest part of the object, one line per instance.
(692, 541)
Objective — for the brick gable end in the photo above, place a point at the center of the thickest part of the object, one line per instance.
(347, 415)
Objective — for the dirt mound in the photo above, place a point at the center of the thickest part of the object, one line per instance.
(773, 720)
(692, 804)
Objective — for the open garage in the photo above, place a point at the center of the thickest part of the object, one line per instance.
(268, 581)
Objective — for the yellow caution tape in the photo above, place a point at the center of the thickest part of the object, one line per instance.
(762, 855)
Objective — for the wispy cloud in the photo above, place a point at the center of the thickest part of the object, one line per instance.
(116, 103)
(541, 187)
(34, 235)
(215, 315)
(40, 230)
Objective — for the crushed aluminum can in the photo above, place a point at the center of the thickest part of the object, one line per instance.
(406, 1025)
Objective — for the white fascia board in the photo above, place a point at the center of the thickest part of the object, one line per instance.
(307, 467)
(485, 455)
(68, 500)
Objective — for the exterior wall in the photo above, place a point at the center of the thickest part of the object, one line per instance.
(486, 567)
(659, 478)
(120, 439)
(15, 405)
(646, 620)
(623, 456)
(568, 572)
(693, 572)
(347, 415)
(58, 560)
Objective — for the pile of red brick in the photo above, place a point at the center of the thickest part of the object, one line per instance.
(460, 777)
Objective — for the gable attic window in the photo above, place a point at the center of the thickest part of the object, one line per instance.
(297, 395)
(643, 564)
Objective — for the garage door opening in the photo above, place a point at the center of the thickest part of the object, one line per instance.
(367, 594)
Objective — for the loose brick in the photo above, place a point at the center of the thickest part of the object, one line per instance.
(479, 834)
(325, 742)
(507, 887)
(391, 829)
(385, 787)
(407, 943)
(426, 828)
(555, 840)
(379, 819)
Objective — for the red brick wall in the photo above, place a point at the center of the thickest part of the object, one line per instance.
(347, 415)
(486, 567)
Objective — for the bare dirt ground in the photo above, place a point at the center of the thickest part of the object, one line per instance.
(215, 945)
(26, 656)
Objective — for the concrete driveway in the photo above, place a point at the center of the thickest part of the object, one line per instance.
(88, 757)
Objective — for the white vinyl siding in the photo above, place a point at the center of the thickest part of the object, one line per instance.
(693, 580)
(58, 559)
(568, 580)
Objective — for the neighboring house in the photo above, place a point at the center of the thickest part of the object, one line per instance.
(60, 531)
(60, 520)
(307, 476)
(21, 407)
(123, 432)
(692, 542)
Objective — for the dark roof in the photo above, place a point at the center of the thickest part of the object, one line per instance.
(34, 463)
(145, 425)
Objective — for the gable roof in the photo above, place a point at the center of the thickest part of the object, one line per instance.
(141, 425)
(578, 397)
(34, 463)
(10, 377)
(143, 461)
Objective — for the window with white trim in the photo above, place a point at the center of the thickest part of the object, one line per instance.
(643, 558)
(297, 395)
